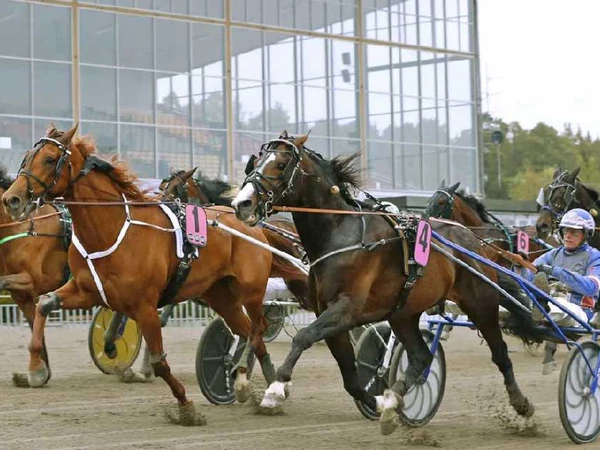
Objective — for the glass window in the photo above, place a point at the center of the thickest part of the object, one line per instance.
(105, 135)
(464, 167)
(344, 147)
(137, 148)
(97, 37)
(313, 107)
(281, 113)
(172, 41)
(381, 167)
(15, 88)
(207, 8)
(15, 140)
(174, 150)
(461, 124)
(459, 79)
(136, 96)
(410, 163)
(207, 47)
(14, 17)
(210, 154)
(52, 89)
(51, 32)
(98, 93)
(173, 99)
(135, 41)
(208, 110)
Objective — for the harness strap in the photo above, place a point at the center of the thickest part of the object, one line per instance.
(13, 237)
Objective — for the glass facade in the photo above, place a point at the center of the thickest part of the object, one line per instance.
(169, 84)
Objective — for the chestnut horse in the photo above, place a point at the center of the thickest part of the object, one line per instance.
(357, 273)
(33, 260)
(448, 203)
(280, 232)
(129, 270)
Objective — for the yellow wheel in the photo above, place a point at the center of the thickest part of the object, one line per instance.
(128, 342)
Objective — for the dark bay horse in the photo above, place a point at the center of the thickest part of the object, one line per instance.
(203, 191)
(135, 266)
(357, 272)
(564, 193)
(32, 264)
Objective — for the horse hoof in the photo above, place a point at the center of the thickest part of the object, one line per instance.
(147, 372)
(20, 380)
(110, 350)
(274, 396)
(129, 376)
(388, 422)
(38, 378)
(186, 415)
(242, 388)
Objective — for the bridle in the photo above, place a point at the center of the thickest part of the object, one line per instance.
(569, 197)
(181, 190)
(446, 212)
(60, 165)
(270, 188)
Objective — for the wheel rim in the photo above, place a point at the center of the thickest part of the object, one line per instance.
(128, 342)
(215, 365)
(369, 357)
(582, 409)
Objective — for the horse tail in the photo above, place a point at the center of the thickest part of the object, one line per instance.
(295, 280)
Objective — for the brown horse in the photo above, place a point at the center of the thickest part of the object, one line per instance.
(133, 275)
(448, 203)
(358, 273)
(203, 191)
(33, 260)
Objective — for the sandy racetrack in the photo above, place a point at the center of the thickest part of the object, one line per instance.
(82, 408)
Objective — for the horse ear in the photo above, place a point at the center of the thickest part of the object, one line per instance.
(300, 141)
(574, 174)
(557, 173)
(284, 135)
(454, 187)
(66, 138)
(189, 173)
(442, 184)
(51, 129)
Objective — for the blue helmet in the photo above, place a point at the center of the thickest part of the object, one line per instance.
(579, 219)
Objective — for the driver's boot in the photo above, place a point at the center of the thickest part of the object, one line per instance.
(541, 282)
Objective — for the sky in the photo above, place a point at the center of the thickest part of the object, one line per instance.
(540, 61)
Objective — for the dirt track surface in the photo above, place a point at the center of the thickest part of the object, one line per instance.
(84, 409)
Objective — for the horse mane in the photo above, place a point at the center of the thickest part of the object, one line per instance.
(5, 179)
(593, 193)
(214, 189)
(342, 172)
(118, 171)
(476, 205)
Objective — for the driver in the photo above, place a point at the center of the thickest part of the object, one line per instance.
(575, 264)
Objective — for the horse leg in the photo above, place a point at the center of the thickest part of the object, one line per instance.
(66, 297)
(484, 315)
(146, 369)
(259, 325)
(548, 364)
(341, 348)
(26, 304)
(419, 358)
(110, 335)
(335, 319)
(149, 323)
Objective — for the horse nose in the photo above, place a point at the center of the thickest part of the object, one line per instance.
(13, 201)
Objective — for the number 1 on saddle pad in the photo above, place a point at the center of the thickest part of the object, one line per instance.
(196, 225)
(522, 242)
(423, 243)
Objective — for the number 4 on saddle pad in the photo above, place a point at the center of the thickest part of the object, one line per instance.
(196, 225)
(423, 243)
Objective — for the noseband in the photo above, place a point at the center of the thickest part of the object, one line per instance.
(271, 188)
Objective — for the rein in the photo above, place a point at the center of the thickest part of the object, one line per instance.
(45, 216)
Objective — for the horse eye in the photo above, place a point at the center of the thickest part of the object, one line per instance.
(50, 160)
(281, 166)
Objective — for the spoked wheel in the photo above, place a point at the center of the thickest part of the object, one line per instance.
(275, 318)
(373, 374)
(215, 363)
(128, 342)
(580, 408)
(423, 399)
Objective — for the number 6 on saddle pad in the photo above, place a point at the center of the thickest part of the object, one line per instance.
(422, 243)
(196, 225)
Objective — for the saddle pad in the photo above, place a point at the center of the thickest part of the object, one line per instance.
(196, 225)
(422, 243)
